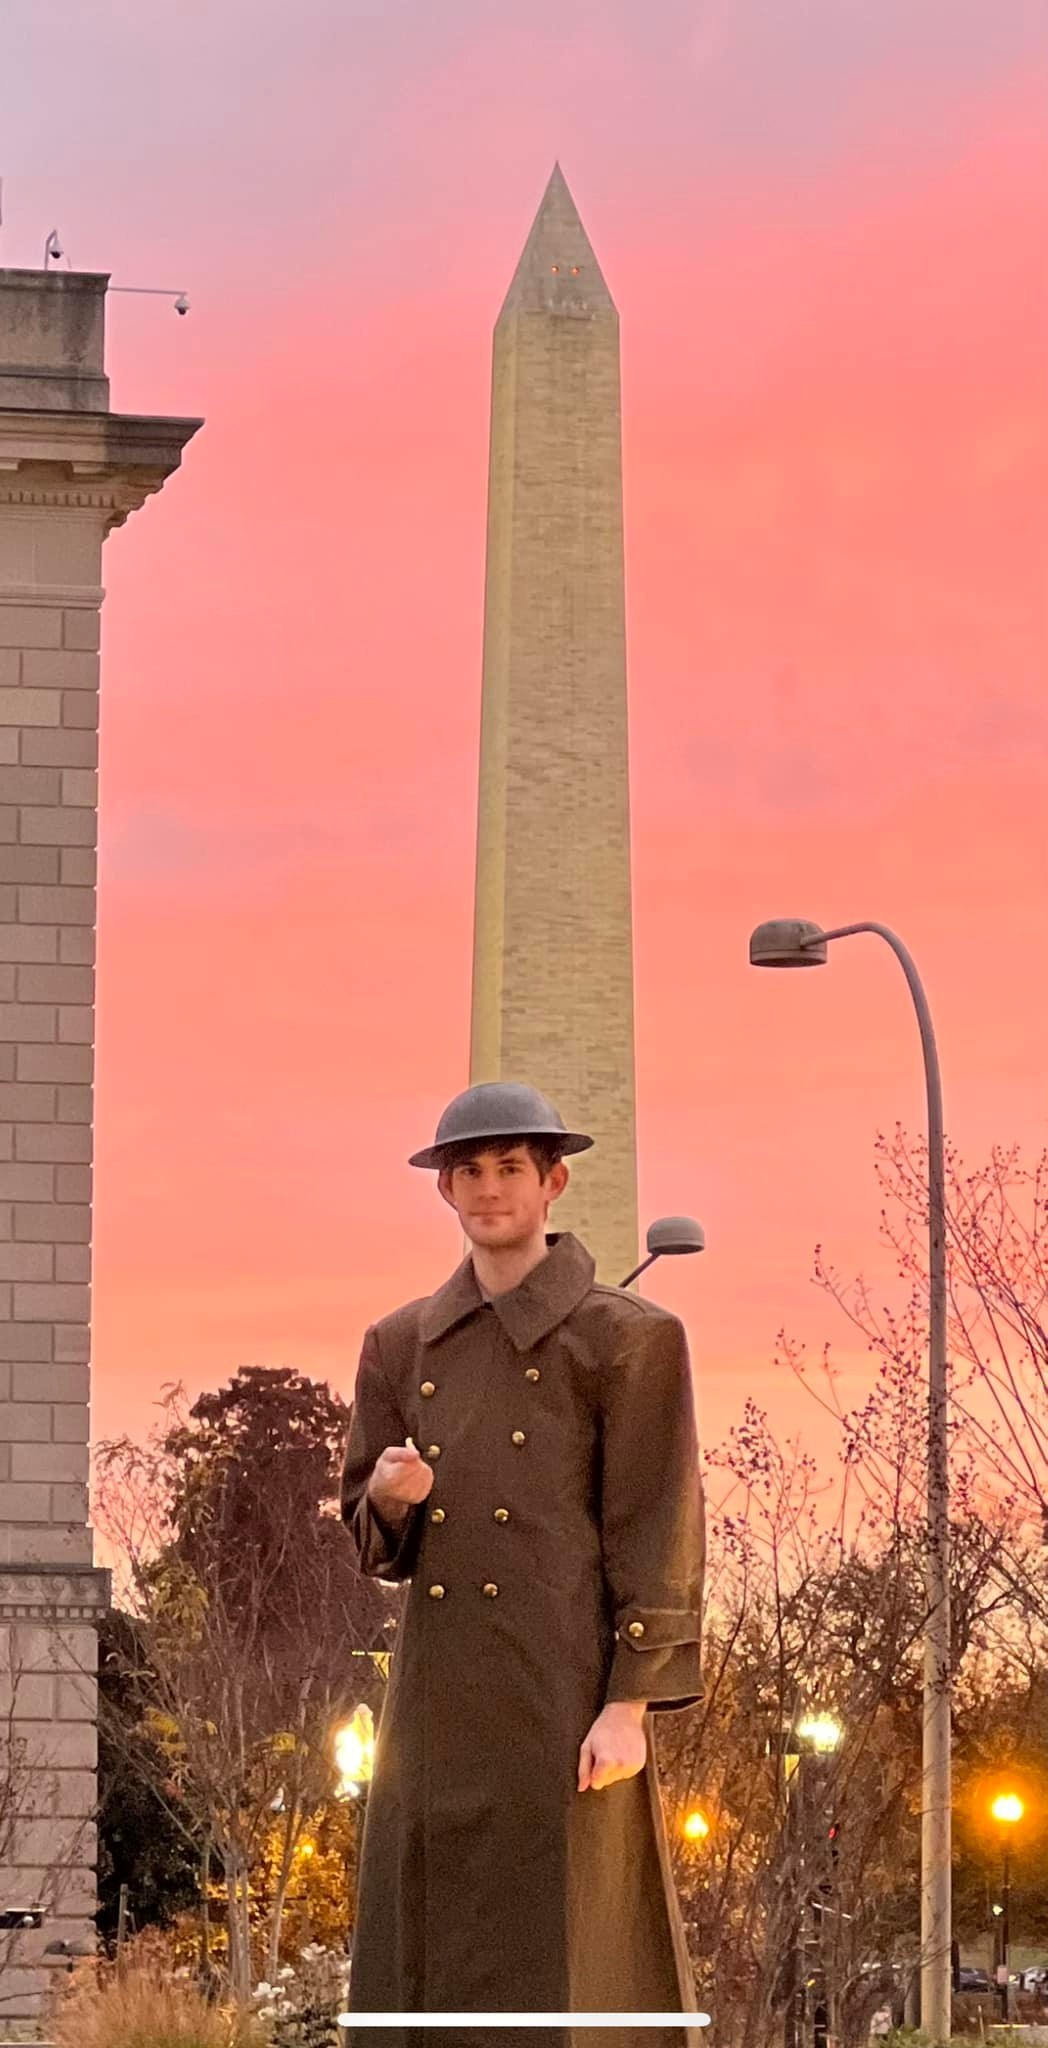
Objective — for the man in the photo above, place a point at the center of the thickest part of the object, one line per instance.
(522, 1448)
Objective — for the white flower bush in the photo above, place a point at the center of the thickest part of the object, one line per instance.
(301, 2008)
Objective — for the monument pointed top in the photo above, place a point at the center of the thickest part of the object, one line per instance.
(558, 271)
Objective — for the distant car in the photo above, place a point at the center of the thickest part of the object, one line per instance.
(1034, 1979)
(973, 1980)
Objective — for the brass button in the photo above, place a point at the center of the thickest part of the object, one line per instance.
(436, 1592)
(490, 1590)
(518, 1437)
(533, 1374)
(502, 1514)
(432, 1450)
(636, 1630)
(437, 1515)
(427, 1388)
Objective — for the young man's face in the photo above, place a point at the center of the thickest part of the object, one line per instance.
(500, 1196)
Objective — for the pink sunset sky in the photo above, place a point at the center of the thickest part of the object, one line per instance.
(825, 225)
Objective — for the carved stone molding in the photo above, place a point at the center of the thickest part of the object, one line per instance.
(108, 463)
(42, 1592)
(116, 501)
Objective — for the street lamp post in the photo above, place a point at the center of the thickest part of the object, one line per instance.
(354, 1754)
(1007, 1808)
(803, 1745)
(793, 942)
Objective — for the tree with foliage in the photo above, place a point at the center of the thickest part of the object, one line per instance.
(147, 1842)
(257, 1633)
(805, 1873)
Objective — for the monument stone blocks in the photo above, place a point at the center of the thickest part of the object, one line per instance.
(553, 966)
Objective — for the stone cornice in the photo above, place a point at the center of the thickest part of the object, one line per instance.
(54, 1592)
(95, 462)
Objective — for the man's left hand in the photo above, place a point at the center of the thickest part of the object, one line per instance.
(616, 1746)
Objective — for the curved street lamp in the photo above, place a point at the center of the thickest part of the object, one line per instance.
(669, 1237)
(795, 942)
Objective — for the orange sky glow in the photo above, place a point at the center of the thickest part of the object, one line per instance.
(828, 258)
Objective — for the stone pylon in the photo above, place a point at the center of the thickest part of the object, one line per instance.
(70, 470)
(553, 947)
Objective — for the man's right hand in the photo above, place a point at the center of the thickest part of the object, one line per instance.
(400, 1480)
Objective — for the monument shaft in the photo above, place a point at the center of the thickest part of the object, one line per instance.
(553, 950)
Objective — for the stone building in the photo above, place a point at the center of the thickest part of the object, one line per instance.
(70, 470)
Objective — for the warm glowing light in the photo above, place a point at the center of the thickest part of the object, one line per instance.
(307, 1848)
(1008, 1807)
(695, 1827)
(355, 1752)
(821, 1730)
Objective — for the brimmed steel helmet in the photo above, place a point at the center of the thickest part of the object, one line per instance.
(494, 1110)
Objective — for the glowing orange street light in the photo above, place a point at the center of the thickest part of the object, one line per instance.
(1006, 1809)
(355, 1753)
(695, 1827)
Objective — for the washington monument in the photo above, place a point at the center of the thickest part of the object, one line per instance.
(553, 942)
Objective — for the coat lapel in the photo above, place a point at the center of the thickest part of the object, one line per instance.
(550, 1293)
(451, 1304)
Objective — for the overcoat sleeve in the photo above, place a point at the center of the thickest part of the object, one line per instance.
(652, 1517)
(384, 1551)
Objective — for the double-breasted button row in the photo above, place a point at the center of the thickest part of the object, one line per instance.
(489, 1590)
(518, 1437)
(439, 1515)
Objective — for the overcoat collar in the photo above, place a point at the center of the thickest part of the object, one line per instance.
(546, 1296)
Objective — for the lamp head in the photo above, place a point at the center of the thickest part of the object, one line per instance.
(354, 1744)
(672, 1237)
(788, 942)
(821, 1732)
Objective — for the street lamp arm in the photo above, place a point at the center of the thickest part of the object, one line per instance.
(933, 1075)
(935, 1802)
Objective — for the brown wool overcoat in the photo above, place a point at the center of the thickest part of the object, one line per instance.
(556, 1564)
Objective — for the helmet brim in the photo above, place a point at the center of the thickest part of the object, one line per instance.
(566, 1142)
